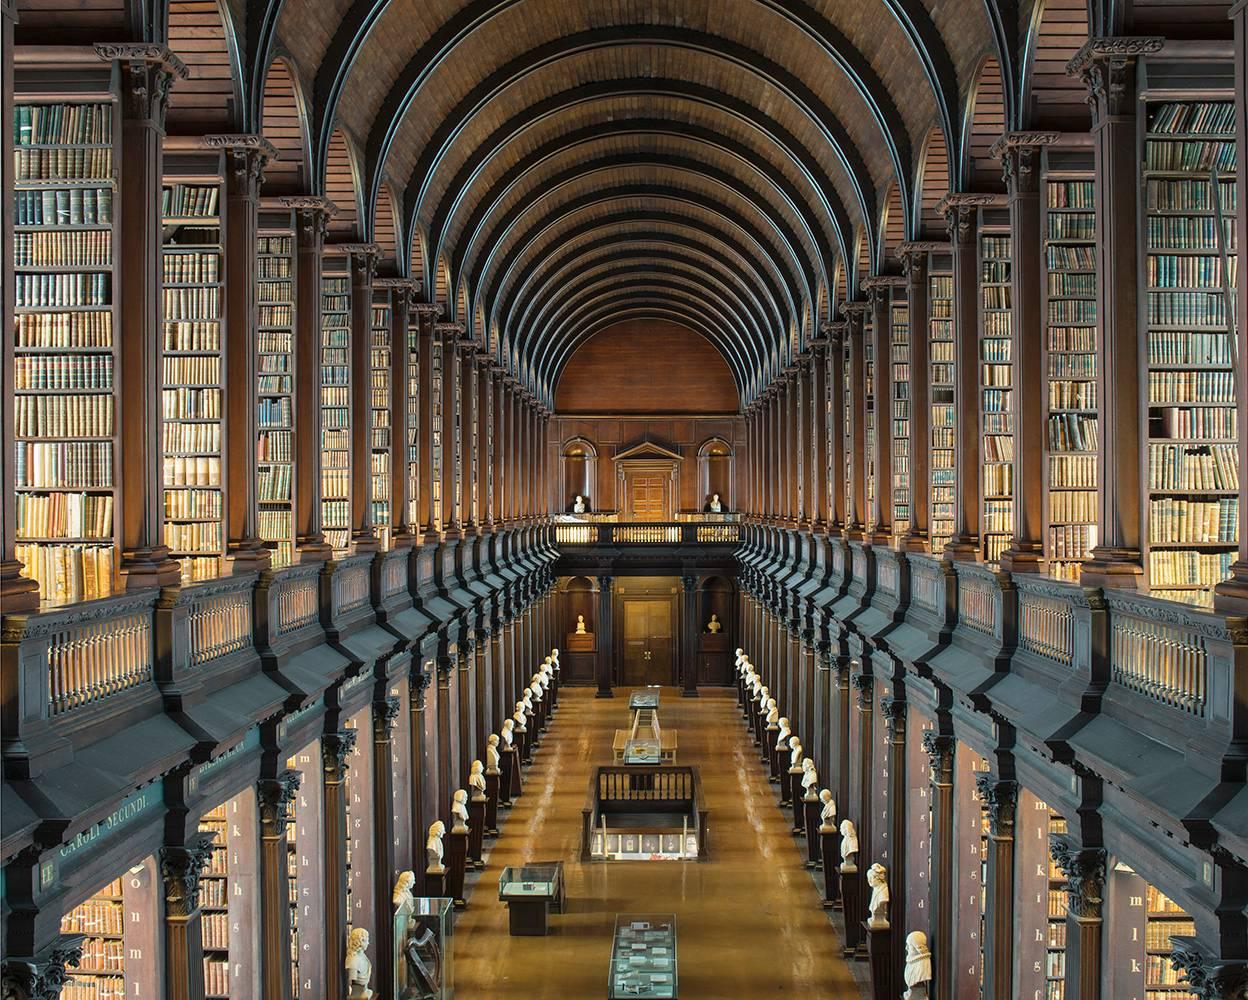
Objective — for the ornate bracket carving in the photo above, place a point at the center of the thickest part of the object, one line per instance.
(1084, 869)
(939, 748)
(384, 715)
(1107, 68)
(1210, 978)
(275, 796)
(1000, 797)
(335, 749)
(181, 869)
(43, 977)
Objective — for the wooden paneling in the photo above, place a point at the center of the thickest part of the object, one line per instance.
(934, 184)
(1181, 18)
(342, 188)
(646, 366)
(987, 124)
(207, 100)
(385, 230)
(284, 123)
(894, 227)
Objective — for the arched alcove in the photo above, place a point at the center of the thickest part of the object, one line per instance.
(715, 472)
(284, 123)
(342, 188)
(578, 472)
(717, 597)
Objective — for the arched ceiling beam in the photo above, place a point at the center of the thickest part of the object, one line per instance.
(777, 290)
(331, 77)
(497, 82)
(614, 239)
(816, 271)
(722, 213)
(687, 253)
(261, 47)
(772, 179)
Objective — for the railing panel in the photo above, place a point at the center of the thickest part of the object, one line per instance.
(576, 534)
(927, 584)
(1160, 651)
(1046, 624)
(220, 623)
(297, 601)
(979, 603)
(89, 661)
(350, 586)
(720, 534)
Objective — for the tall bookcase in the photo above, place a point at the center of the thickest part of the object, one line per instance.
(379, 390)
(336, 404)
(996, 402)
(1055, 952)
(102, 970)
(1192, 470)
(412, 430)
(1071, 351)
(868, 368)
(1164, 919)
(847, 424)
(944, 412)
(65, 331)
(899, 327)
(275, 367)
(192, 362)
(214, 902)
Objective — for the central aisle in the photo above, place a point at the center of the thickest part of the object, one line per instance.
(748, 921)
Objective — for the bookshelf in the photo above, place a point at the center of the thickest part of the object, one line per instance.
(1072, 346)
(64, 410)
(941, 381)
(101, 973)
(275, 344)
(1055, 951)
(1190, 258)
(1164, 919)
(869, 420)
(996, 403)
(336, 405)
(379, 389)
(847, 424)
(435, 433)
(899, 326)
(412, 431)
(192, 363)
(214, 900)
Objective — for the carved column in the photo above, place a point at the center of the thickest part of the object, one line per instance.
(942, 889)
(864, 754)
(841, 707)
(1209, 976)
(385, 713)
(855, 314)
(146, 72)
(335, 749)
(1107, 67)
(42, 976)
(801, 420)
(180, 870)
(914, 262)
(894, 711)
(246, 156)
(1019, 154)
(485, 440)
(1084, 870)
(1231, 596)
(606, 642)
(420, 769)
(817, 507)
(448, 339)
(1000, 797)
(836, 434)
(882, 452)
(274, 797)
(311, 218)
(363, 267)
(961, 214)
(690, 629)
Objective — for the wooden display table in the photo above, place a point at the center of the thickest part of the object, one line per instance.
(531, 892)
(667, 745)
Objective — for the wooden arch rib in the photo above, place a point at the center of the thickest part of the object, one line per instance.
(284, 122)
(932, 186)
(1051, 98)
(461, 302)
(210, 99)
(892, 230)
(386, 231)
(342, 187)
(985, 115)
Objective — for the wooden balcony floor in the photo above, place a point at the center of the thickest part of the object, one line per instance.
(748, 921)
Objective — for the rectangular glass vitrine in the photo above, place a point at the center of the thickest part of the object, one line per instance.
(531, 891)
(423, 949)
(643, 957)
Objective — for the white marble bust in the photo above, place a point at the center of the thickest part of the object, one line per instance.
(403, 889)
(476, 780)
(554, 657)
(509, 726)
(578, 505)
(782, 739)
(715, 505)
(877, 879)
(740, 655)
(918, 966)
(827, 815)
(519, 719)
(433, 847)
(535, 689)
(492, 758)
(580, 625)
(849, 846)
(359, 968)
(810, 778)
(773, 713)
(795, 754)
(459, 811)
(764, 700)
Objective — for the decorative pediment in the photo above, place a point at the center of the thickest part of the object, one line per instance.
(647, 450)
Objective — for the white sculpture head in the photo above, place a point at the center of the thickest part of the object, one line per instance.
(554, 655)
(357, 941)
(849, 842)
(492, 739)
(877, 878)
(459, 798)
(918, 959)
(508, 725)
(403, 888)
(437, 830)
(764, 692)
(549, 661)
(795, 743)
(477, 767)
(827, 815)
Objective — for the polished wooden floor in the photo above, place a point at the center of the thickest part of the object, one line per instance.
(748, 921)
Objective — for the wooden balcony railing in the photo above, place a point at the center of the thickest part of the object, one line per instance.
(220, 620)
(89, 661)
(648, 533)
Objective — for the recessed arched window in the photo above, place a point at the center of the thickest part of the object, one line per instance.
(715, 472)
(578, 461)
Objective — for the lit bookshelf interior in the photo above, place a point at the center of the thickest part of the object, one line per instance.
(336, 409)
(191, 375)
(868, 369)
(101, 972)
(412, 430)
(1055, 956)
(1071, 353)
(435, 435)
(275, 390)
(65, 351)
(1164, 919)
(900, 349)
(847, 424)
(1193, 467)
(380, 430)
(996, 348)
(943, 430)
(214, 903)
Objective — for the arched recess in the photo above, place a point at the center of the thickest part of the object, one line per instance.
(933, 184)
(892, 230)
(1051, 98)
(201, 33)
(716, 603)
(985, 123)
(479, 332)
(840, 285)
(442, 286)
(577, 598)
(342, 187)
(461, 303)
(716, 472)
(71, 23)
(823, 307)
(416, 257)
(862, 257)
(578, 473)
(284, 123)
(385, 231)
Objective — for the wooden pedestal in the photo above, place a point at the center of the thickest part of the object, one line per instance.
(773, 755)
(830, 848)
(880, 949)
(492, 781)
(851, 894)
(511, 785)
(457, 859)
(435, 882)
(811, 808)
(794, 799)
(476, 831)
(528, 919)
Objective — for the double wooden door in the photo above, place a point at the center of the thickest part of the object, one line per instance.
(648, 493)
(647, 642)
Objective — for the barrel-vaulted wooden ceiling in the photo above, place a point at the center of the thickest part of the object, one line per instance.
(549, 167)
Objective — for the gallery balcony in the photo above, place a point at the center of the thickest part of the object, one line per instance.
(602, 543)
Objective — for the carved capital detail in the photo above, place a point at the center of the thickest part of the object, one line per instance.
(385, 713)
(275, 796)
(181, 869)
(1107, 68)
(335, 749)
(939, 748)
(960, 220)
(1084, 870)
(41, 978)
(1209, 977)
(147, 73)
(1000, 798)
(418, 683)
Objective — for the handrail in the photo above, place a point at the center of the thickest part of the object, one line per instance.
(684, 532)
(220, 619)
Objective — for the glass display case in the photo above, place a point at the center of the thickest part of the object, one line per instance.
(643, 956)
(531, 891)
(423, 949)
(644, 699)
(643, 750)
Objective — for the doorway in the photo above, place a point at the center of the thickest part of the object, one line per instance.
(648, 493)
(647, 642)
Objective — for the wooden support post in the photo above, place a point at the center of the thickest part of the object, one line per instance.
(336, 747)
(457, 859)
(274, 797)
(180, 869)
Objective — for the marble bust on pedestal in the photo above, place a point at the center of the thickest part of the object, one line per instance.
(918, 971)
(492, 758)
(795, 754)
(476, 780)
(359, 968)
(580, 625)
(714, 626)
(459, 811)
(509, 726)
(877, 879)
(810, 778)
(849, 846)
(827, 815)
(433, 847)
(782, 738)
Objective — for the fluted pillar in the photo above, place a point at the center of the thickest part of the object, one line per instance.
(275, 797)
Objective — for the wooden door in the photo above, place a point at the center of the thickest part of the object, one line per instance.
(648, 494)
(647, 642)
